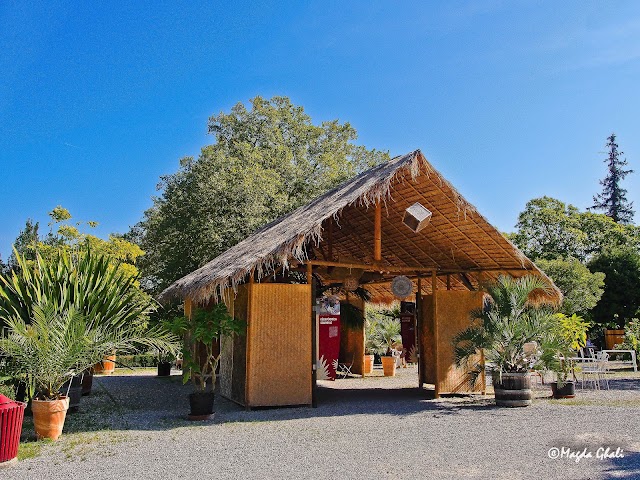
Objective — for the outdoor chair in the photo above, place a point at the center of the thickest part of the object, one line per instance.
(594, 370)
(344, 369)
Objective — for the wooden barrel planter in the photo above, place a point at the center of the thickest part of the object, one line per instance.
(368, 364)
(513, 389)
(613, 338)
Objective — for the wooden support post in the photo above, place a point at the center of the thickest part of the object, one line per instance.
(377, 233)
(314, 383)
(419, 333)
(330, 238)
(483, 375)
(434, 291)
(248, 352)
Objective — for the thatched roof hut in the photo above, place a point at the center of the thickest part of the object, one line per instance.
(338, 232)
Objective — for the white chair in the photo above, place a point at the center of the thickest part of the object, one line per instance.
(594, 370)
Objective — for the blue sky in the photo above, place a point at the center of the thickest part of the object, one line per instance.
(509, 99)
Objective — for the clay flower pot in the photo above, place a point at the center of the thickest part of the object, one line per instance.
(368, 364)
(107, 366)
(389, 366)
(48, 417)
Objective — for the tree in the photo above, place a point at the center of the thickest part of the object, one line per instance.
(550, 229)
(621, 298)
(580, 287)
(26, 242)
(266, 161)
(613, 199)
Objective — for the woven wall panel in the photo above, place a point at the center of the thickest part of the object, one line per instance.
(279, 342)
(453, 309)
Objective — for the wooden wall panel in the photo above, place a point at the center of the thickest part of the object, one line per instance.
(452, 316)
(279, 343)
(233, 362)
(352, 342)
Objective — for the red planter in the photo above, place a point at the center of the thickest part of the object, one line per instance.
(11, 415)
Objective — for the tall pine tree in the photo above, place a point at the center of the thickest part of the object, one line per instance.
(613, 199)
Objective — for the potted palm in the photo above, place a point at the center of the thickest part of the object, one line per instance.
(383, 340)
(509, 322)
(61, 317)
(201, 332)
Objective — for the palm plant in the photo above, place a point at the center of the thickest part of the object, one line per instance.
(80, 306)
(509, 321)
(386, 334)
(52, 345)
(82, 281)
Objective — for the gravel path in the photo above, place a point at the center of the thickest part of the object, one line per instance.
(374, 428)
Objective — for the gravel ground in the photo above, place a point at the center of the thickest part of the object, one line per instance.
(133, 427)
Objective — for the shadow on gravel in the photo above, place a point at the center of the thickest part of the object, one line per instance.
(624, 384)
(627, 468)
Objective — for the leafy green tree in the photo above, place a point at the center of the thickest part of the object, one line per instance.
(266, 161)
(580, 287)
(548, 229)
(613, 198)
(621, 298)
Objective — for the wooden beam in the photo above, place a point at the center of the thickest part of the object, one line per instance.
(377, 233)
(434, 303)
(371, 267)
(467, 282)
(448, 282)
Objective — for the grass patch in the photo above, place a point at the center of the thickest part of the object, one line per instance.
(29, 450)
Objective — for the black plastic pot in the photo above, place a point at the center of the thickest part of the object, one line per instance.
(75, 393)
(87, 381)
(201, 404)
(164, 369)
(568, 390)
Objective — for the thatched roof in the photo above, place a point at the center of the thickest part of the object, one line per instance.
(458, 241)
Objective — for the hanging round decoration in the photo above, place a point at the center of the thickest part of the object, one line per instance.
(350, 283)
(401, 286)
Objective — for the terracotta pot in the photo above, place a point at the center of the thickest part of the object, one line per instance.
(106, 366)
(48, 417)
(368, 364)
(389, 366)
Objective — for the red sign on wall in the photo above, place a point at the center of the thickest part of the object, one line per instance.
(328, 338)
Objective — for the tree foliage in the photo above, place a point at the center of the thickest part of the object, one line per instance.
(581, 288)
(621, 298)
(266, 161)
(613, 198)
(549, 229)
